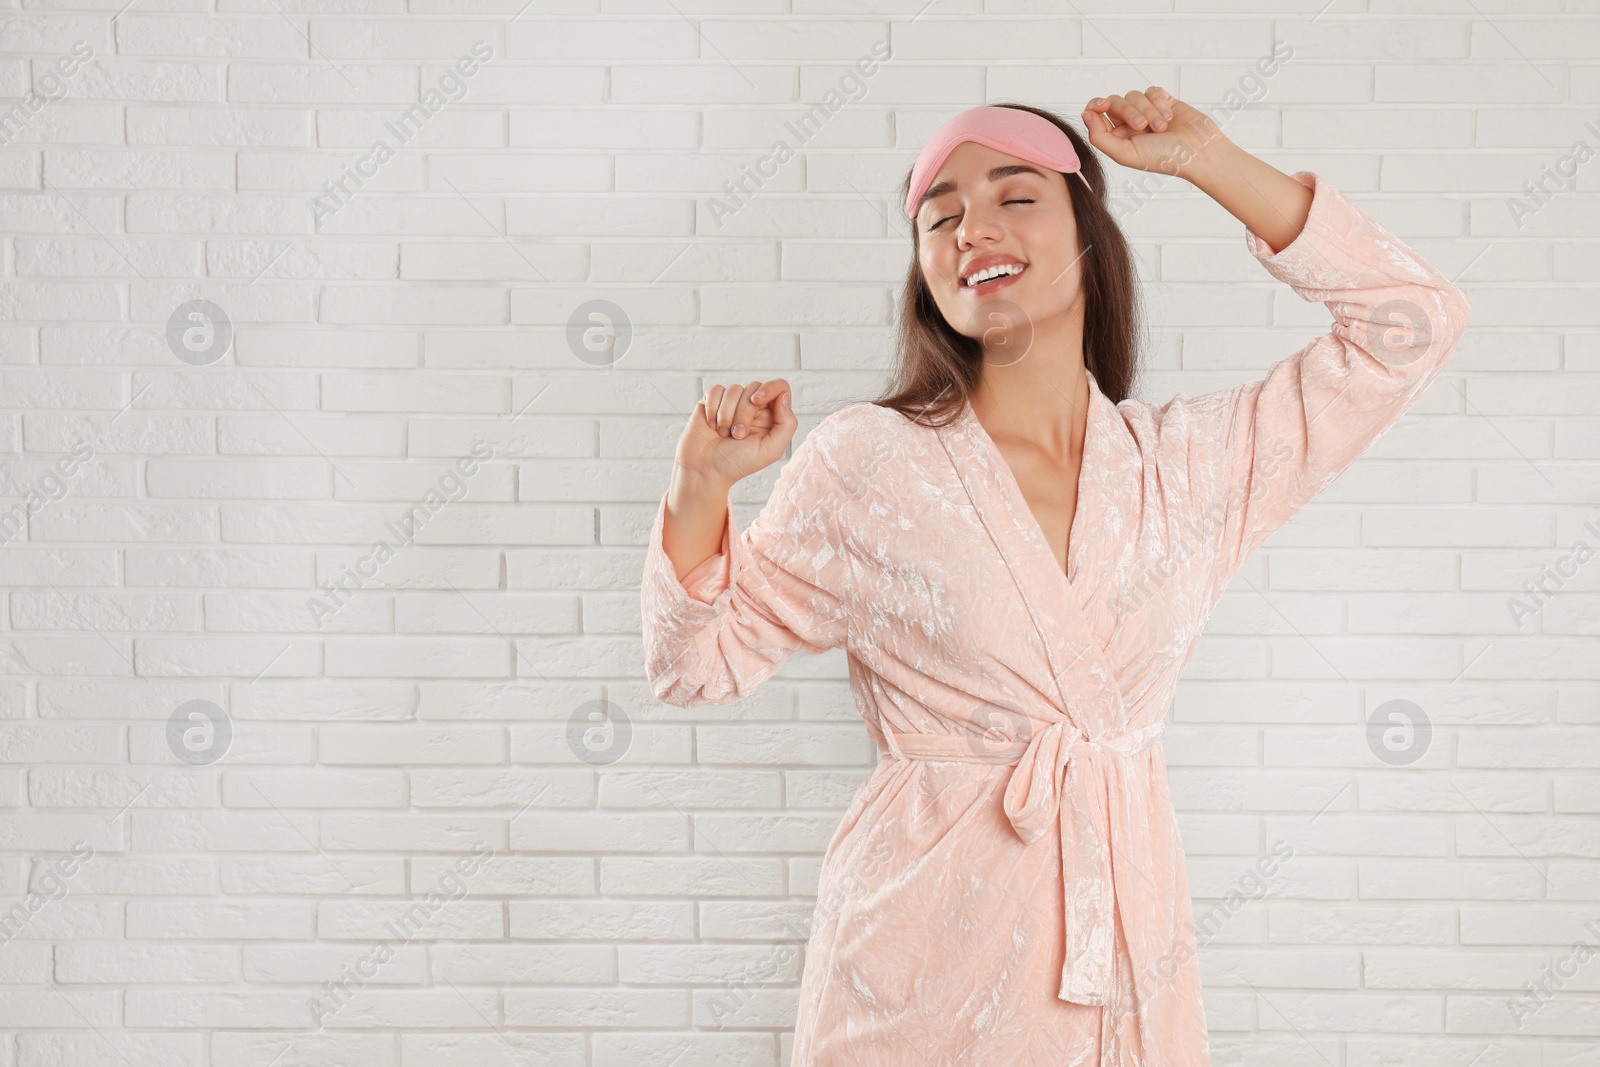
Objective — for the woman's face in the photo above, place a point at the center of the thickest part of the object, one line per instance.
(996, 209)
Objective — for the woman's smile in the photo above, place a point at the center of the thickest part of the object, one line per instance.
(993, 271)
(992, 285)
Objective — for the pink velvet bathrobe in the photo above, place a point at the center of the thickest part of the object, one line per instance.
(1007, 886)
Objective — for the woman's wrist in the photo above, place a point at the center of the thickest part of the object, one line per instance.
(1212, 163)
(698, 483)
(696, 517)
(694, 486)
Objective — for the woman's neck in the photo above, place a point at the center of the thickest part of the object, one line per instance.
(1040, 399)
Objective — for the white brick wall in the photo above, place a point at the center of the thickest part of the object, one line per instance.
(614, 911)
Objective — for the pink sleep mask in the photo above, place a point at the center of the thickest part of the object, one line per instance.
(1005, 129)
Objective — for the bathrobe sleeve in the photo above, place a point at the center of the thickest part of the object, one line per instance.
(1258, 452)
(771, 590)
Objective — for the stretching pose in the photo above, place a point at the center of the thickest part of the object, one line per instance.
(1018, 558)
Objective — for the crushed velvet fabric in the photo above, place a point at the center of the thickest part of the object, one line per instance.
(1007, 885)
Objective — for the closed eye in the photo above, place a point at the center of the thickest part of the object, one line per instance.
(947, 218)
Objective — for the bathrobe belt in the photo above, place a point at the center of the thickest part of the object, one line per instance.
(1096, 792)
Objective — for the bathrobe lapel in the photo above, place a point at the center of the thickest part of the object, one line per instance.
(1086, 687)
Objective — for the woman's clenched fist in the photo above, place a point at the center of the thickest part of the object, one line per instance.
(737, 430)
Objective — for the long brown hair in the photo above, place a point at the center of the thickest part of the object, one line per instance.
(937, 369)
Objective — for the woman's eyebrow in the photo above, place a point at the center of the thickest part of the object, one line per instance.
(1006, 171)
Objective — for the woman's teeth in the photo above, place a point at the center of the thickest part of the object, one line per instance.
(992, 273)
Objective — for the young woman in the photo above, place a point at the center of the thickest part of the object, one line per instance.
(1018, 557)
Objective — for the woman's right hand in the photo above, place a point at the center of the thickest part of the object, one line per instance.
(736, 431)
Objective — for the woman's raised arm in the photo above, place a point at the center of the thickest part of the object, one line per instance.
(728, 623)
(1258, 452)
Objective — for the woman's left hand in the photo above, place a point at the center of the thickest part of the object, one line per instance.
(1152, 130)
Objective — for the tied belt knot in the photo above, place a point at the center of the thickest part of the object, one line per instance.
(1097, 795)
